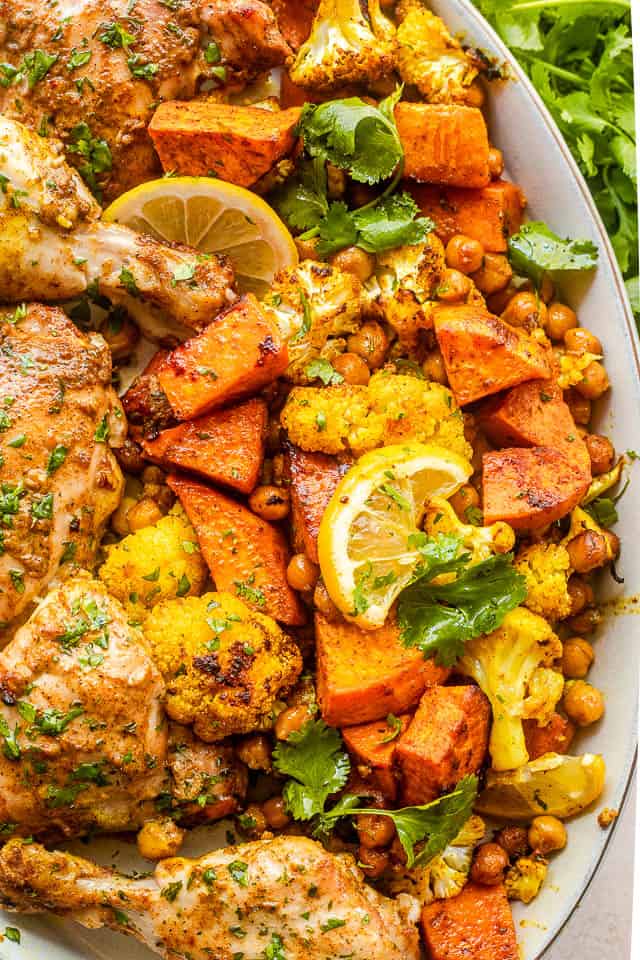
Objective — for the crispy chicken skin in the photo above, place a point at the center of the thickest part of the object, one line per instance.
(287, 892)
(59, 480)
(116, 60)
(83, 730)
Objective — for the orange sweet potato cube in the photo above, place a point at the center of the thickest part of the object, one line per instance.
(444, 143)
(235, 143)
(235, 356)
(446, 740)
(313, 478)
(488, 214)
(246, 555)
(370, 746)
(226, 446)
(554, 737)
(475, 925)
(364, 675)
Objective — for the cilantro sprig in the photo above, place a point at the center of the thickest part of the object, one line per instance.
(536, 250)
(313, 757)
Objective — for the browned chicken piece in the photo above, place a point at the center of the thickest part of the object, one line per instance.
(82, 728)
(92, 71)
(59, 480)
(207, 779)
(286, 897)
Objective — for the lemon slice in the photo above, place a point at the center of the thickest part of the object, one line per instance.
(214, 217)
(365, 539)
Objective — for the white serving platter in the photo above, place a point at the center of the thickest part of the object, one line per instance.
(540, 162)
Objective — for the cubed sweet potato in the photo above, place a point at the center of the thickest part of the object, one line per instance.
(530, 487)
(235, 143)
(364, 675)
(444, 143)
(236, 355)
(554, 737)
(313, 478)
(446, 740)
(483, 355)
(368, 747)
(489, 214)
(246, 555)
(295, 18)
(475, 925)
(226, 446)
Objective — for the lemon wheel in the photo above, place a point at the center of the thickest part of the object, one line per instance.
(214, 217)
(370, 531)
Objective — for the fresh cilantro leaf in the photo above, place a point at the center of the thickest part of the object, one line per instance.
(321, 369)
(603, 509)
(315, 760)
(336, 230)
(12, 933)
(142, 71)
(536, 250)
(302, 200)
(395, 728)
(391, 223)
(115, 35)
(36, 66)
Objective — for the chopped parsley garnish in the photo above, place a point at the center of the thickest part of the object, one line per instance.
(102, 430)
(43, 509)
(94, 151)
(128, 281)
(114, 35)
(238, 870)
(171, 891)
(56, 458)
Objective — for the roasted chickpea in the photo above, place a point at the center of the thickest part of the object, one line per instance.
(464, 253)
(547, 834)
(129, 456)
(371, 343)
(372, 862)
(253, 813)
(582, 703)
(497, 302)
(453, 286)
(354, 260)
(467, 496)
(585, 622)
(595, 381)
(302, 573)
(121, 336)
(496, 163)
(434, 369)
(336, 182)
(525, 310)
(352, 368)
(143, 514)
(159, 839)
(291, 720)
(324, 604)
(587, 551)
(306, 248)
(613, 543)
(513, 841)
(579, 406)
(579, 340)
(560, 319)
(255, 751)
(119, 518)
(601, 453)
(489, 863)
(374, 831)
(275, 811)
(581, 594)
(270, 502)
(494, 274)
(152, 474)
(577, 657)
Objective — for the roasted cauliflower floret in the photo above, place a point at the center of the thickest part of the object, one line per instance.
(525, 877)
(316, 307)
(392, 408)
(481, 542)
(512, 666)
(429, 57)
(351, 41)
(572, 367)
(546, 567)
(224, 665)
(156, 563)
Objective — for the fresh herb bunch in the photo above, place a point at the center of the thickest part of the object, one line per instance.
(579, 57)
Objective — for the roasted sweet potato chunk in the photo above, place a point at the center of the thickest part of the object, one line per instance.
(554, 737)
(235, 143)
(475, 925)
(483, 355)
(238, 354)
(490, 214)
(445, 144)
(370, 747)
(446, 740)
(313, 477)
(246, 555)
(364, 675)
(226, 446)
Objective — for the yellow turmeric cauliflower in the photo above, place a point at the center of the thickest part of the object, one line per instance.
(546, 567)
(392, 408)
(572, 367)
(525, 878)
(481, 542)
(225, 666)
(155, 563)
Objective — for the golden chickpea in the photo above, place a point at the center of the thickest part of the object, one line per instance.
(601, 453)
(354, 260)
(497, 302)
(252, 821)
(352, 368)
(121, 337)
(513, 840)
(119, 518)
(489, 863)
(324, 604)
(434, 369)
(582, 703)
(494, 274)
(129, 456)
(372, 862)
(152, 474)
(496, 163)
(579, 340)
(585, 622)
(613, 543)
(275, 811)
(291, 720)
(581, 594)
(371, 343)
(302, 573)
(577, 657)
(454, 286)
(579, 406)
(270, 502)
(374, 831)
(159, 839)
(467, 496)
(255, 751)
(560, 319)
(464, 253)
(595, 381)
(547, 834)
(144, 513)
(525, 310)
(587, 551)
(336, 182)
(307, 248)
